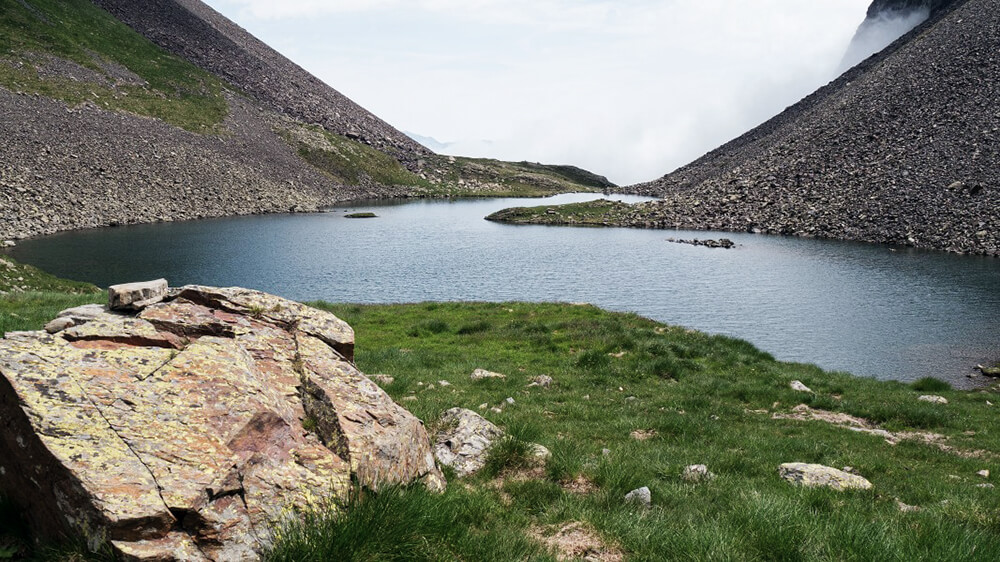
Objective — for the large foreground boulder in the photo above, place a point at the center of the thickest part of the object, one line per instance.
(184, 431)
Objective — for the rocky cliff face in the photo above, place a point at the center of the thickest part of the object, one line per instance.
(902, 149)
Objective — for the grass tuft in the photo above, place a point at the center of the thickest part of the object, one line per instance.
(930, 384)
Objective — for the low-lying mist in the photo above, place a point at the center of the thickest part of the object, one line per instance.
(878, 33)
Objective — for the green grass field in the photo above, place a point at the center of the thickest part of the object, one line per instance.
(634, 402)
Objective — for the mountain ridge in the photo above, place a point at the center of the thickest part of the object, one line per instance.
(900, 150)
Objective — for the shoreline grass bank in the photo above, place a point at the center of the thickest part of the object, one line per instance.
(633, 402)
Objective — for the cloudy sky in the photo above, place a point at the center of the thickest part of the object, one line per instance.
(630, 89)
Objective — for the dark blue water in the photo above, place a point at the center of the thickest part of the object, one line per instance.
(861, 308)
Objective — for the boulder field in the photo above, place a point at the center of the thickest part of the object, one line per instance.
(187, 428)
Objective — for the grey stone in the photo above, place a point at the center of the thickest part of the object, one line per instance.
(136, 296)
(641, 496)
(933, 399)
(57, 325)
(463, 440)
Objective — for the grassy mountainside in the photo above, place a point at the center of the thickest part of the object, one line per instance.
(75, 52)
(101, 125)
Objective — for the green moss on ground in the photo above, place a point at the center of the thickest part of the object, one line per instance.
(168, 87)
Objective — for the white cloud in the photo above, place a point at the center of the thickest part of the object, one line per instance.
(628, 88)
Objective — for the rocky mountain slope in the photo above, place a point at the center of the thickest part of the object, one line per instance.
(901, 149)
(189, 116)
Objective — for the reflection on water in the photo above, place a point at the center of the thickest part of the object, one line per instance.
(861, 308)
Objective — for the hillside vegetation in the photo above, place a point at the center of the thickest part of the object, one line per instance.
(76, 52)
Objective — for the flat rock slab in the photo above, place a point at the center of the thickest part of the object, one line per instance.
(177, 433)
(816, 475)
(136, 296)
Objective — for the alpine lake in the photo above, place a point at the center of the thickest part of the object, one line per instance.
(871, 310)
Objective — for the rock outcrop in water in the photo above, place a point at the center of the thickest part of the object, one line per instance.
(185, 430)
(902, 149)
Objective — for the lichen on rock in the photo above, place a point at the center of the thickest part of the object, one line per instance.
(177, 432)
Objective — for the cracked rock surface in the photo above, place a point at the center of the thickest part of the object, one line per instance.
(177, 432)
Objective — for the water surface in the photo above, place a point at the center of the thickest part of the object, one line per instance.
(866, 309)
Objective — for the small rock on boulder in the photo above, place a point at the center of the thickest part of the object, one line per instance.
(816, 475)
(136, 296)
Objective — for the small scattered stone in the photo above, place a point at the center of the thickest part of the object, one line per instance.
(540, 452)
(383, 380)
(641, 496)
(484, 405)
(482, 374)
(509, 400)
(987, 485)
(543, 381)
(906, 508)
(643, 434)
(816, 475)
(696, 473)
(496, 410)
(933, 399)
(409, 398)
(984, 473)
(799, 387)
(606, 452)
(444, 383)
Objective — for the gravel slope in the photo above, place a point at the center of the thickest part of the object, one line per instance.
(902, 149)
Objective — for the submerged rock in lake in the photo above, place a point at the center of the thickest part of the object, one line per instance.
(184, 430)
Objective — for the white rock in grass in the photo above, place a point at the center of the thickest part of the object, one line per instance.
(540, 452)
(482, 374)
(817, 475)
(798, 386)
(641, 496)
(463, 440)
(543, 381)
(984, 473)
(933, 399)
(697, 473)
(383, 380)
